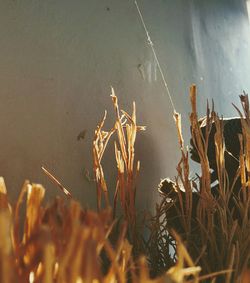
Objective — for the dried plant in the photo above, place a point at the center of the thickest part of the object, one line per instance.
(200, 232)
(126, 130)
(64, 243)
(213, 221)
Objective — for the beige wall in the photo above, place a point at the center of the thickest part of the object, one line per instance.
(59, 58)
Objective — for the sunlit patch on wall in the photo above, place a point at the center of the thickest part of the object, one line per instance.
(248, 9)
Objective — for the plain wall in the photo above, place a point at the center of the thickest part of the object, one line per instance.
(59, 58)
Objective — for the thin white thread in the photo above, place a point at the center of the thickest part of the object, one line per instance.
(155, 56)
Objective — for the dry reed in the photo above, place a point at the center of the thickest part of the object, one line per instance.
(213, 222)
(196, 235)
(61, 242)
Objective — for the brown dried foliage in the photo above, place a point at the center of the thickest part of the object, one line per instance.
(215, 228)
(61, 242)
(126, 130)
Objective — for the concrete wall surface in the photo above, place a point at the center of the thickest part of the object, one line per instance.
(59, 58)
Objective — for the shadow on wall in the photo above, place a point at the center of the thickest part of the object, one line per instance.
(148, 179)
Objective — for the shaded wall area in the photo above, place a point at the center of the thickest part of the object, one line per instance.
(58, 60)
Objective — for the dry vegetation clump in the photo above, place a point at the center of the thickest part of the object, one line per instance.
(212, 220)
(198, 233)
(62, 242)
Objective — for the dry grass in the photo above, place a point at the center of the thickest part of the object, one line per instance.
(64, 243)
(61, 242)
(194, 237)
(214, 224)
